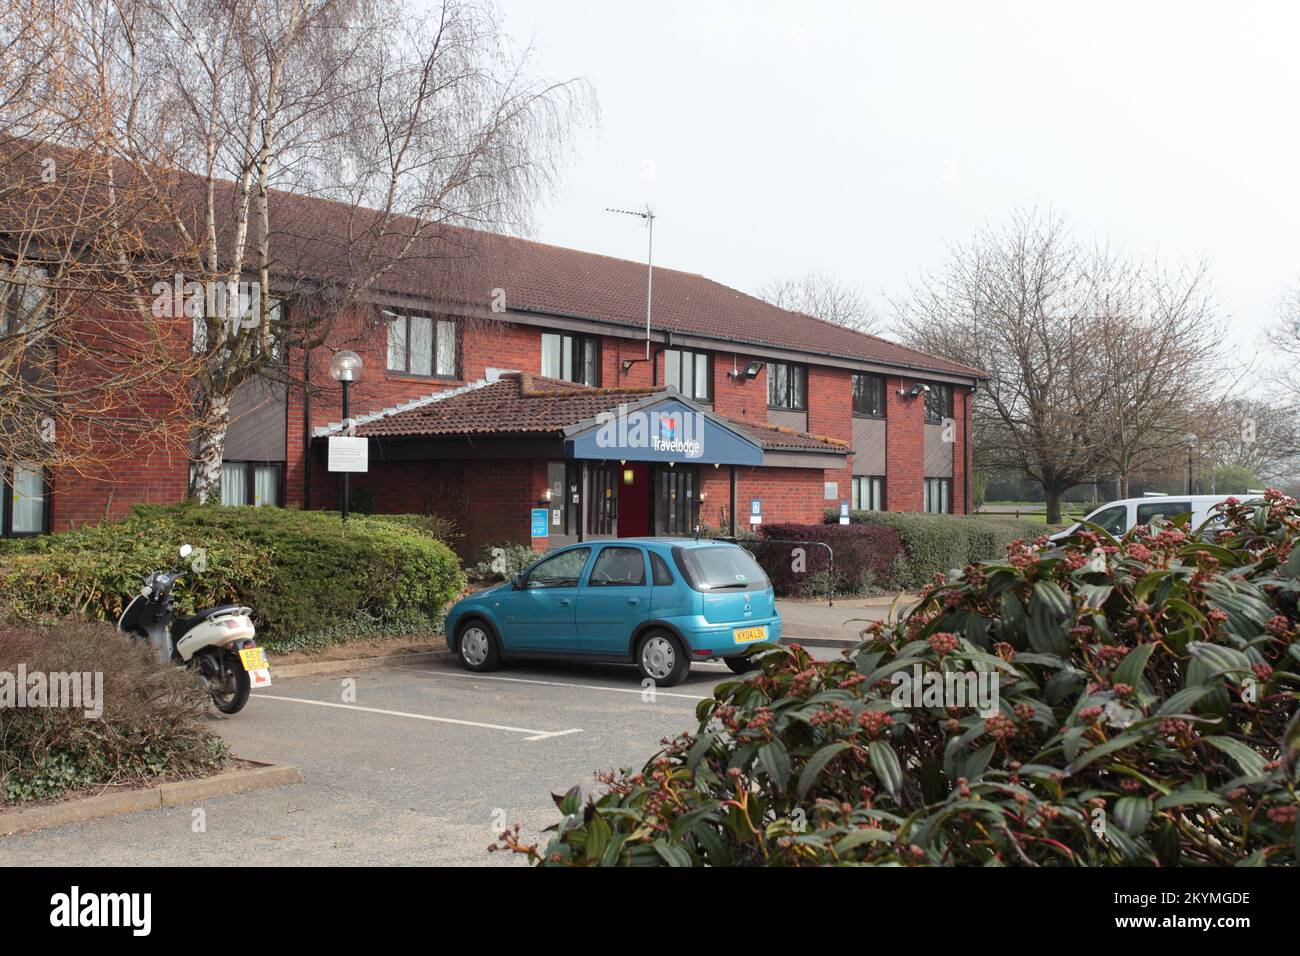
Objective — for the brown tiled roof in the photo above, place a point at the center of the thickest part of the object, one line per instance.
(552, 280)
(522, 404)
(314, 238)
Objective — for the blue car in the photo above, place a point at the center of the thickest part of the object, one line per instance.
(659, 603)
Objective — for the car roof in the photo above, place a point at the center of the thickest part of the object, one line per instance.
(659, 542)
(1157, 499)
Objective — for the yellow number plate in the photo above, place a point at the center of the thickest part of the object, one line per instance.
(748, 635)
(253, 658)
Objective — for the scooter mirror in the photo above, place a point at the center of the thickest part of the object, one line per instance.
(186, 550)
(144, 591)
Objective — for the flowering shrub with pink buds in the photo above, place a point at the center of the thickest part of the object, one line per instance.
(1146, 715)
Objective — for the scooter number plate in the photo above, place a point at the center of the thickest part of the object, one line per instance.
(253, 658)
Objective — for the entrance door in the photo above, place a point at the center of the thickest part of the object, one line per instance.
(602, 500)
(676, 508)
(634, 500)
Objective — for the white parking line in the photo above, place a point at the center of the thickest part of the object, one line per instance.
(550, 683)
(532, 734)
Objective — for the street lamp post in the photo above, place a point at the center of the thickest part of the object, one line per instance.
(1191, 447)
(345, 367)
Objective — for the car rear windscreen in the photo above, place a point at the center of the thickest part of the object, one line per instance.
(724, 567)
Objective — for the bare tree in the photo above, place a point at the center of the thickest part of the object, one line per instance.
(825, 297)
(1093, 360)
(1158, 337)
(79, 388)
(413, 120)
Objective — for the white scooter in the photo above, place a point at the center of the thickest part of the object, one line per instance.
(217, 641)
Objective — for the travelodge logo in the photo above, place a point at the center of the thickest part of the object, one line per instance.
(679, 432)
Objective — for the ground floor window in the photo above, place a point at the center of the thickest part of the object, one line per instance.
(25, 509)
(868, 493)
(938, 495)
(250, 483)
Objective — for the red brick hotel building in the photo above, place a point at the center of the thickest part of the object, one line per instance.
(505, 397)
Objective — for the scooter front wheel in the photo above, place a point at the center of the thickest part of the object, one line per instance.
(225, 699)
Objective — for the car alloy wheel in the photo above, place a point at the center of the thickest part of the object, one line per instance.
(474, 645)
(658, 657)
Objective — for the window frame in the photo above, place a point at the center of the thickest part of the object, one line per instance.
(945, 394)
(7, 479)
(640, 552)
(577, 342)
(1142, 506)
(696, 356)
(789, 378)
(855, 500)
(879, 380)
(15, 320)
(436, 323)
(944, 487)
(250, 481)
(528, 575)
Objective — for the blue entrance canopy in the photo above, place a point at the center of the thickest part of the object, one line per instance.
(663, 429)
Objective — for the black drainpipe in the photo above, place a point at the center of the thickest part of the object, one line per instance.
(306, 434)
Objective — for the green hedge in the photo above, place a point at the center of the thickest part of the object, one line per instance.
(935, 544)
(308, 580)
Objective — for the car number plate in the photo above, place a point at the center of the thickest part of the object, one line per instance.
(748, 635)
(253, 658)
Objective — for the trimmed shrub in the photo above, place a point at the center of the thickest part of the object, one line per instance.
(309, 580)
(1145, 715)
(864, 555)
(150, 725)
(936, 544)
(499, 562)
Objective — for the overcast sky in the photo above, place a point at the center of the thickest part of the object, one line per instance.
(858, 138)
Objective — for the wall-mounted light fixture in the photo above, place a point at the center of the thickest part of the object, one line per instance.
(750, 371)
(916, 390)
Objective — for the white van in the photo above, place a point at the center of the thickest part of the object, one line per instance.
(1120, 516)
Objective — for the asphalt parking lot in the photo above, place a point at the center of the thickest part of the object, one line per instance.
(424, 766)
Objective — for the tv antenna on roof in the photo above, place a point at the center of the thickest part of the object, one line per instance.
(648, 215)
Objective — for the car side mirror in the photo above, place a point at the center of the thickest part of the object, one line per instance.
(517, 582)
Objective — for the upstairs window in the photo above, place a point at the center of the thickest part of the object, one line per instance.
(938, 403)
(422, 345)
(688, 372)
(787, 386)
(868, 395)
(573, 358)
(23, 296)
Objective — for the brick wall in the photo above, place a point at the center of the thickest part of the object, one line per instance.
(905, 439)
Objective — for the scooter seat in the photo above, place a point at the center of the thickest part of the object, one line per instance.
(183, 624)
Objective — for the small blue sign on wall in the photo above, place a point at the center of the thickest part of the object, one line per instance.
(755, 511)
(844, 512)
(541, 517)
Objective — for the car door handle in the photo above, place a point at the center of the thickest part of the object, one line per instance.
(633, 600)
(563, 602)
